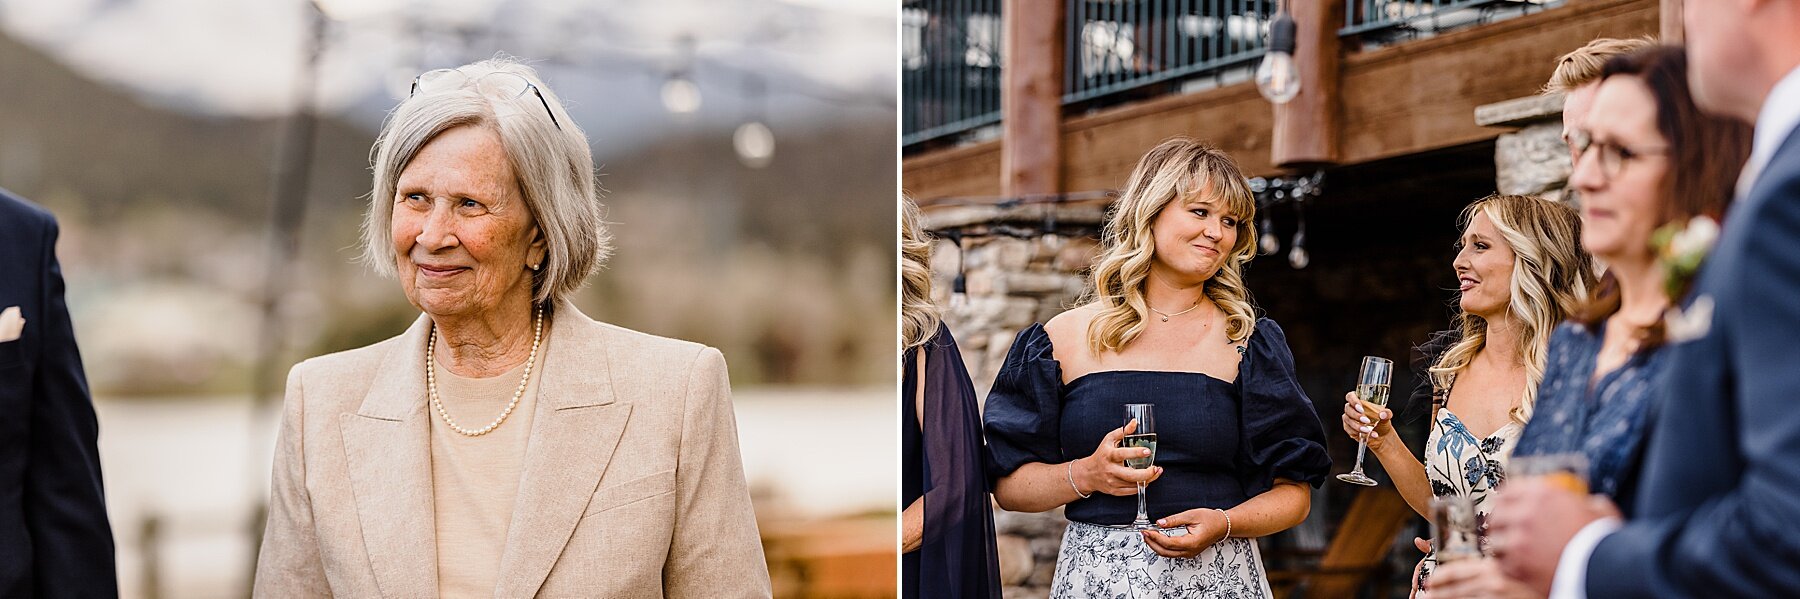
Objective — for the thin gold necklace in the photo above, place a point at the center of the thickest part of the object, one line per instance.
(1166, 316)
(537, 330)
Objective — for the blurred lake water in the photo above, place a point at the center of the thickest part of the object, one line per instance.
(194, 468)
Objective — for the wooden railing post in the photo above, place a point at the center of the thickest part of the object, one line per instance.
(1671, 31)
(1306, 128)
(1031, 98)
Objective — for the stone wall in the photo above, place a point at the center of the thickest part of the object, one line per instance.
(1532, 159)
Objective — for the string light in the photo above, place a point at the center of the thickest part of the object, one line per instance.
(1277, 78)
(680, 95)
(753, 141)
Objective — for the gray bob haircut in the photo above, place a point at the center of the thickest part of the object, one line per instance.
(553, 164)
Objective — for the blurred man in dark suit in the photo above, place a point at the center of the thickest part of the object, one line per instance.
(1718, 502)
(54, 537)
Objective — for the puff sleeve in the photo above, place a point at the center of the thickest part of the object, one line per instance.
(1024, 409)
(1281, 432)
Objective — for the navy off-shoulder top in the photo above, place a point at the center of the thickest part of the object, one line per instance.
(1219, 442)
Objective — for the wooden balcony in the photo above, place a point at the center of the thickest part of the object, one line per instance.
(1410, 97)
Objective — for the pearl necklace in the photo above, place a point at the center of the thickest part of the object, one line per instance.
(537, 337)
(1166, 316)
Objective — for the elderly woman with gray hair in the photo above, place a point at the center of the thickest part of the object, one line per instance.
(505, 445)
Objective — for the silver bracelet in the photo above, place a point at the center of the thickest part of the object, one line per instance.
(1070, 469)
(1227, 524)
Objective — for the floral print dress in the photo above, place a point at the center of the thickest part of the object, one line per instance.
(1457, 463)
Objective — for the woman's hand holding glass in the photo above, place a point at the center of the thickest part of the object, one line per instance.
(1205, 527)
(1367, 421)
(1105, 471)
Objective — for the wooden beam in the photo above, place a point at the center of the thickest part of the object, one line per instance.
(1361, 542)
(1031, 98)
(1409, 98)
(1672, 31)
(1421, 95)
(1102, 149)
(1306, 128)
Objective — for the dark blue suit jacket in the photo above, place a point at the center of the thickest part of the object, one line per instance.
(1718, 504)
(54, 537)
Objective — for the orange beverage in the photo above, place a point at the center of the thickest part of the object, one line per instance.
(1567, 480)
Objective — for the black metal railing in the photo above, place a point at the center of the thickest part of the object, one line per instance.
(1381, 21)
(1122, 46)
(1121, 50)
(950, 67)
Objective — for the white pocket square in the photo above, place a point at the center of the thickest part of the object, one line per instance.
(1690, 324)
(11, 324)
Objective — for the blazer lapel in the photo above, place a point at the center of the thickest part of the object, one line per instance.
(574, 431)
(387, 447)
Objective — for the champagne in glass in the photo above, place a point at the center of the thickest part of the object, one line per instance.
(1143, 436)
(1146, 441)
(1371, 388)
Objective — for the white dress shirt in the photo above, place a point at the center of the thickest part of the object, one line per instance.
(1779, 115)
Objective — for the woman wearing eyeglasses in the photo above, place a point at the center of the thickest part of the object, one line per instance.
(505, 445)
(1646, 159)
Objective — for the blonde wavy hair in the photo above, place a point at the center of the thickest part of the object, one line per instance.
(1550, 280)
(1582, 66)
(919, 317)
(1178, 168)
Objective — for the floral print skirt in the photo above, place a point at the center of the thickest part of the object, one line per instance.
(1108, 562)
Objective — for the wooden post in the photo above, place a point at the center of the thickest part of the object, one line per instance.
(1671, 31)
(1031, 98)
(1306, 128)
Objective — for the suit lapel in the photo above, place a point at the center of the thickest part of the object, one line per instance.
(387, 447)
(574, 431)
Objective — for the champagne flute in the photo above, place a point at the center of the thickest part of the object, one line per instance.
(1143, 436)
(1371, 388)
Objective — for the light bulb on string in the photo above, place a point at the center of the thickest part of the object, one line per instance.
(755, 144)
(753, 141)
(1277, 78)
(680, 95)
(1298, 257)
(1269, 243)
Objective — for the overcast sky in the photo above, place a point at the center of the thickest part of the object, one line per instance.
(816, 59)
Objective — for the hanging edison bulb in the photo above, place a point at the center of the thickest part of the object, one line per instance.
(680, 95)
(1298, 257)
(754, 143)
(1277, 78)
(1269, 243)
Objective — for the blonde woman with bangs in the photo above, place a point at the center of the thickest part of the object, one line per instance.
(1520, 270)
(1167, 321)
(947, 528)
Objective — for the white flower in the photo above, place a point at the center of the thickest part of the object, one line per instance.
(1687, 325)
(1696, 239)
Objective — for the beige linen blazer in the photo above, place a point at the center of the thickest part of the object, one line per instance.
(631, 487)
